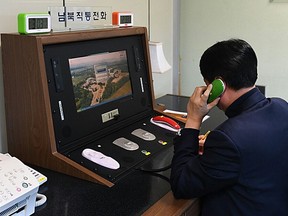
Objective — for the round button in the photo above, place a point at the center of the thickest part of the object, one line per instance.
(24, 185)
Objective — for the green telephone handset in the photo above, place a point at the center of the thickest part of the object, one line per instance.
(217, 90)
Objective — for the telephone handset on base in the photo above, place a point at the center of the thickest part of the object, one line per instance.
(217, 90)
(165, 122)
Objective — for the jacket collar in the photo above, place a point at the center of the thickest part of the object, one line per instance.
(245, 102)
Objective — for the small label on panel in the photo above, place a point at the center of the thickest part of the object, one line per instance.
(61, 110)
(109, 115)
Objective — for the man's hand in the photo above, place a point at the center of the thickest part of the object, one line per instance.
(197, 107)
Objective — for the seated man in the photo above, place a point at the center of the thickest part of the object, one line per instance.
(243, 169)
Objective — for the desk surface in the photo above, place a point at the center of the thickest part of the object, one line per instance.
(132, 195)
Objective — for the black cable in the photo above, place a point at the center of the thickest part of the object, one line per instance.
(156, 170)
(160, 176)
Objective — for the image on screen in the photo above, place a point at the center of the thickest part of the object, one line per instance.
(99, 78)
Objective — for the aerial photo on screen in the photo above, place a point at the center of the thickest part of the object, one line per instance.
(99, 79)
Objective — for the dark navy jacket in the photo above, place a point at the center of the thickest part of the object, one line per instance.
(244, 168)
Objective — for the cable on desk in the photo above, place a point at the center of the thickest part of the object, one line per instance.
(156, 170)
(40, 200)
(160, 176)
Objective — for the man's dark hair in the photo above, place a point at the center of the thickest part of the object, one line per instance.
(233, 60)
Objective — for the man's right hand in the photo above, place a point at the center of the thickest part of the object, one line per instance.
(197, 107)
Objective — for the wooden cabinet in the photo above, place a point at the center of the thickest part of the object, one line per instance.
(29, 113)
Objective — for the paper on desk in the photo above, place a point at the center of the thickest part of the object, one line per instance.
(183, 114)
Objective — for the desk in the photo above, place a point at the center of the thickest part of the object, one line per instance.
(139, 193)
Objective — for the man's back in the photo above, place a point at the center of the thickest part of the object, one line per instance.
(244, 167)
(260, 135)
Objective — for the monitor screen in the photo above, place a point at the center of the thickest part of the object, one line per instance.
(99, 79)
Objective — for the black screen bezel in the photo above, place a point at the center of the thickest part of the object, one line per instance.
(80, 125)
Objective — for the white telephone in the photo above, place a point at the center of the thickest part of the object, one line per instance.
(19, 185)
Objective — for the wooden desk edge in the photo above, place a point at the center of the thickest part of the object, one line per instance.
(169, 206)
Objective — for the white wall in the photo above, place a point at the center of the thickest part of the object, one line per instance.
(263, 24)
(161, 30)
